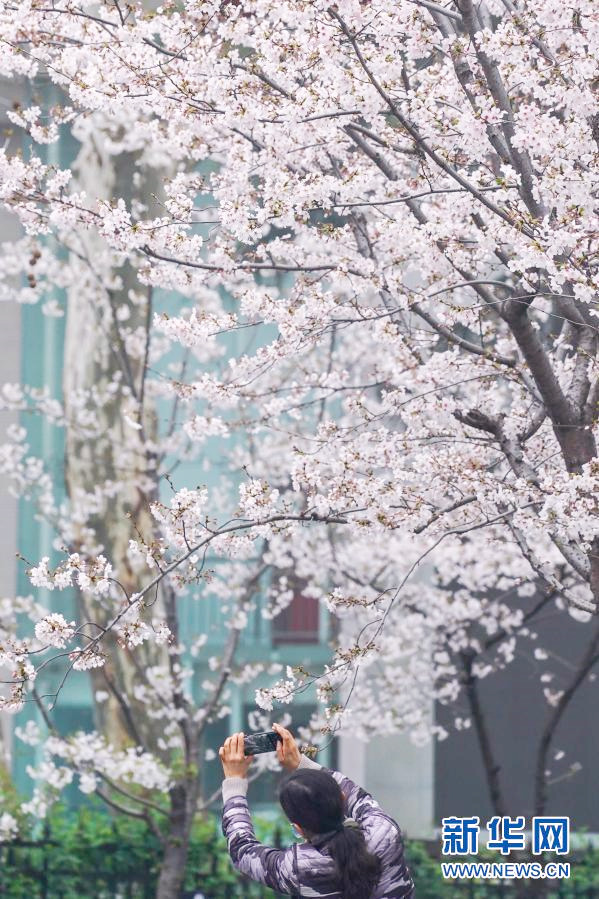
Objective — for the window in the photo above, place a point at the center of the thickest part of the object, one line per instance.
(299, 622)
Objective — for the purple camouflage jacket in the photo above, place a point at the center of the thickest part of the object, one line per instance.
(305, 870)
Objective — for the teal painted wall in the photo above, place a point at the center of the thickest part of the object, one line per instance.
(41, 366)
(42, 362)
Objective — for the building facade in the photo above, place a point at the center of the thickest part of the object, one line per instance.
(31, 352)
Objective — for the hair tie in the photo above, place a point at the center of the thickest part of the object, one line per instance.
(321, 838)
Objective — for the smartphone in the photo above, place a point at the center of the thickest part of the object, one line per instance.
(254, 744)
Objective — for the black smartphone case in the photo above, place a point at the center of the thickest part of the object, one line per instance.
(254, 744)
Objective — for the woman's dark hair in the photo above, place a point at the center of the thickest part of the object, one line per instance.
(313, 799)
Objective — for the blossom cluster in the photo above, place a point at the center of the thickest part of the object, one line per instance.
(91, 575)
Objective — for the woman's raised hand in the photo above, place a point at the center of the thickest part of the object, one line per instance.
(287, 751)
(235, 763)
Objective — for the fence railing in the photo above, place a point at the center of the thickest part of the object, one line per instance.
(40, 869)
(425, 860)
(518, 889)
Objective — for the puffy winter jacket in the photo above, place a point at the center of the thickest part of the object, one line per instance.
(305, 869)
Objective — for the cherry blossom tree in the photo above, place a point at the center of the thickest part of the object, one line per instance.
(391, 208)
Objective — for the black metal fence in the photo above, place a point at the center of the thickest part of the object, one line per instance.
(518, 890)
(41, 870)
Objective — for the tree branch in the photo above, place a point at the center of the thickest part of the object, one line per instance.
(229, 651)
(131, 796)
(520, 159)
(420, 141)
(588, 660)
(514, 312)
(490, 763)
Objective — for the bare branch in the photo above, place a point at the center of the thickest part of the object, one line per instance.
(491, 765)
(131, 796)
(587, 662)
(247, 265)
(229, 650)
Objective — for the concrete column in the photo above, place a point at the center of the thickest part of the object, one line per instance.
(399, 775)
(10, 370)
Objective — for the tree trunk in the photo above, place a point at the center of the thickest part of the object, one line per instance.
(183, 800)
(94, 353)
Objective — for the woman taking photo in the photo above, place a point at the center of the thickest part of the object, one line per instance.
(351, 848)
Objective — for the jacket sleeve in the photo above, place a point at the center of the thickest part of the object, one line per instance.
(270, 866)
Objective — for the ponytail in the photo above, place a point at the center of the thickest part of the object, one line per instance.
(313, 799)
(357, 868)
